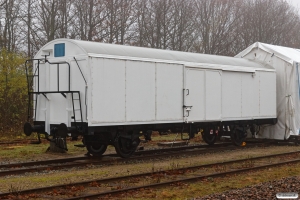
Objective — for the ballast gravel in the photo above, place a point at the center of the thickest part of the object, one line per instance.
(263, 191)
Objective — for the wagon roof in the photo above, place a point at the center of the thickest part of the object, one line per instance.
(97, 48)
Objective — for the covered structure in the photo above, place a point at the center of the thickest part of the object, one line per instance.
(286, 62)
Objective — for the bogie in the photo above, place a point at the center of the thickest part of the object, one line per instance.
(238, 135)
(210, 135)
(96, 149)
(126, 143)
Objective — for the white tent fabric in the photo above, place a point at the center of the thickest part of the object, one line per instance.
(286, 62)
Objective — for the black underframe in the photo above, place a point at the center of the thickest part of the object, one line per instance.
(106, 134)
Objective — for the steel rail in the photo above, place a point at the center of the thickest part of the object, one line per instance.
(65, 163)
(195, 178)
(143, 152)
(166, 171)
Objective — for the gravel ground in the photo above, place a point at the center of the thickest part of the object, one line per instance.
(265, 191)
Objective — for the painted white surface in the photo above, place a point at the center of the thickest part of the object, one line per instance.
(129, 92)
(169, 88)
(213, 95)
(241, 95)
(97, 49)
(41, 103)
(56, 109)
(140, 91)
(231, 94)
(195, 84)
(108, 90)
(249, 97)
(152, 93)
(131, 85)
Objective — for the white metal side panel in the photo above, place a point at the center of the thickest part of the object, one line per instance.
(108, 90)
(255, 98)
(58, 108)
(195, 94)
(63, 76)
(213, 83)
(43, 76)
(41, 103)
(140, 91)
(248, 94)
(41, 107)
(231, 95)
(56, 111)
(169, 87)
(52, 77)
(58, 76)
(267, 94)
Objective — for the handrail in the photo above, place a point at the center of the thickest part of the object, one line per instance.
(37, 73)
(58, 63)
(80, 71)
(37, 69)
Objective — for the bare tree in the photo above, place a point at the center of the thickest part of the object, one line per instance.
(139, 27)
(29, 29)
(182, 31)
(222, 27)
(125, 18)
(11, 22)
(269, 21)
(65, 17)
(88, 20)
(48, 16)
(216, 23)
(154, 22)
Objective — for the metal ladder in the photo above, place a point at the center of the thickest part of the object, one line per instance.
(30, 83)
(76, 98)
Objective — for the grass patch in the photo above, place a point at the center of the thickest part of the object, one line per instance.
(17, 136)
(25, 152)
(220, 185)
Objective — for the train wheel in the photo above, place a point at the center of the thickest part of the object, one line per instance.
(126, 147)
(96, 149)
(209, 135)
(237, 137)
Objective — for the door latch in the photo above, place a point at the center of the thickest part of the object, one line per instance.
(187, 109)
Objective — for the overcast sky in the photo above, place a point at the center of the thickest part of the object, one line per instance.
(295, 3)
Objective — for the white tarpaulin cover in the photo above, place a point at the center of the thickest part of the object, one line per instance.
(285, 61)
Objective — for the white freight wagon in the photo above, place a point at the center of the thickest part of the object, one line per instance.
(110, 93)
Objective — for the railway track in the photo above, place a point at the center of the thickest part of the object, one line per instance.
(176, 175)
(26, 167)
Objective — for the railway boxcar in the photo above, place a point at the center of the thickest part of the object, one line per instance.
(111, 93)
